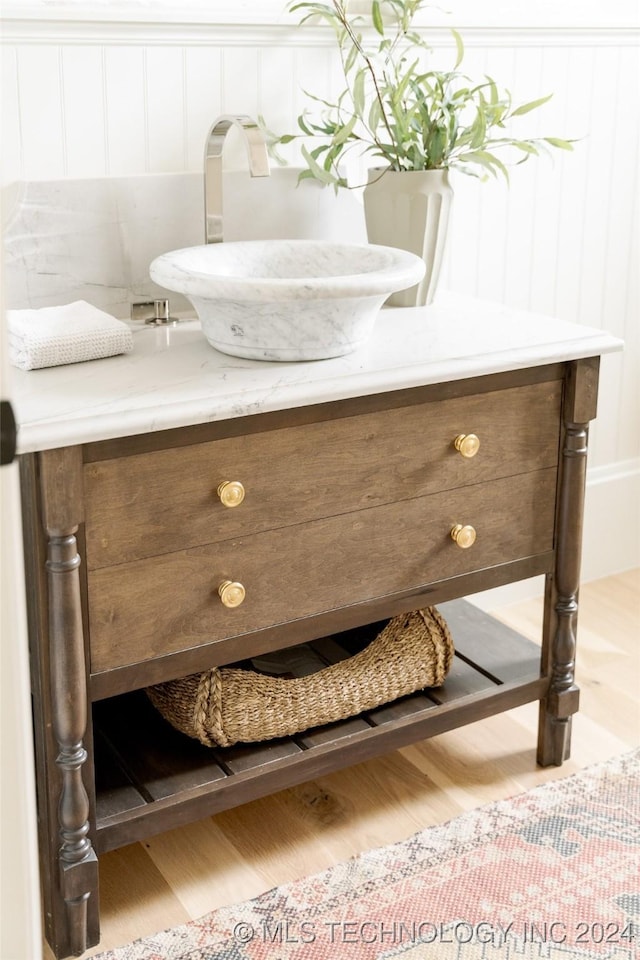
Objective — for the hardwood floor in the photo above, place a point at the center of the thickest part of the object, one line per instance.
(236, 855)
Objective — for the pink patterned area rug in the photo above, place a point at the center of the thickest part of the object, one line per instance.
(553, 873)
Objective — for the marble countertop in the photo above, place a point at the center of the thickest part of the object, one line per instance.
(173, 377)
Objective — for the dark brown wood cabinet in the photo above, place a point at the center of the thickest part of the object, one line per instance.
(347, 519)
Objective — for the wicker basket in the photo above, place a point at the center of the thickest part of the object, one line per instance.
(227, 705)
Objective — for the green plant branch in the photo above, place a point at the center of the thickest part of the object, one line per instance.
(342, 17)
(409, 118)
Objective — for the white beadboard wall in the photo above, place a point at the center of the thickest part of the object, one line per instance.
(128, 87)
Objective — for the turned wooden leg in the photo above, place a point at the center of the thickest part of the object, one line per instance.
(77, 859)
(52, 488)
(561, 600)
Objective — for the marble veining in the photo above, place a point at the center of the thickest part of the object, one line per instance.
(287, 299)
(94, 239)
(173, 378)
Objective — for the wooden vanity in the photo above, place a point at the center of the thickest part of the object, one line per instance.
(361, 501)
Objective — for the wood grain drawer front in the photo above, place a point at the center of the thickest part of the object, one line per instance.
(165, 604)
(154, 503)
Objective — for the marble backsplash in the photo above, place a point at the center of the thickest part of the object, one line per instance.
(93, 239)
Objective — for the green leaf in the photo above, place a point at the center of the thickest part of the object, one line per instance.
(318, 172)
(319, 14)
(375, 115)
(561, 144)
(345, 132)
(358, 92)
(487, 160)
(401, 89)
(317, 151)
(525, 146)
(377, 17)
(437, 147)
(305, 175)
(459, 48)
(286, 138)
(494, 91)
(478, 130)
(302, 123)
(351, 59)
(532, 105)
(325, 103)
(313, 8)
(273, 153)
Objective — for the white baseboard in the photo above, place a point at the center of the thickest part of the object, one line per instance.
(612, 520)
(610, 540)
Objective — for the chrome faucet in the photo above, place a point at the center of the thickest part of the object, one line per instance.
(258, 167)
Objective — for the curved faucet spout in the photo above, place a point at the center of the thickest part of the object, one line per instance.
(258, 167)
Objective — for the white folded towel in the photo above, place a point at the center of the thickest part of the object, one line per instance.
(51, 336)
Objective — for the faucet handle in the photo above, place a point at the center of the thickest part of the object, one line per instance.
(152, 312)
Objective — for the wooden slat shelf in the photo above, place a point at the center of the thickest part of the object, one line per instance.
(148, 774)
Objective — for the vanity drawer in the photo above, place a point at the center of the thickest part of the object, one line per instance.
(169, 603)
(155, 503)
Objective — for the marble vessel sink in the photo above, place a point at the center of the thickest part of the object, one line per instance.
(287, 299)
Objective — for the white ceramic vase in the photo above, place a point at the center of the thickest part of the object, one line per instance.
(410, 210)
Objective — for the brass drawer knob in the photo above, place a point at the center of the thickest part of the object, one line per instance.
(231, 493)
(467, 444)
(465, 536)
(231, 593)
